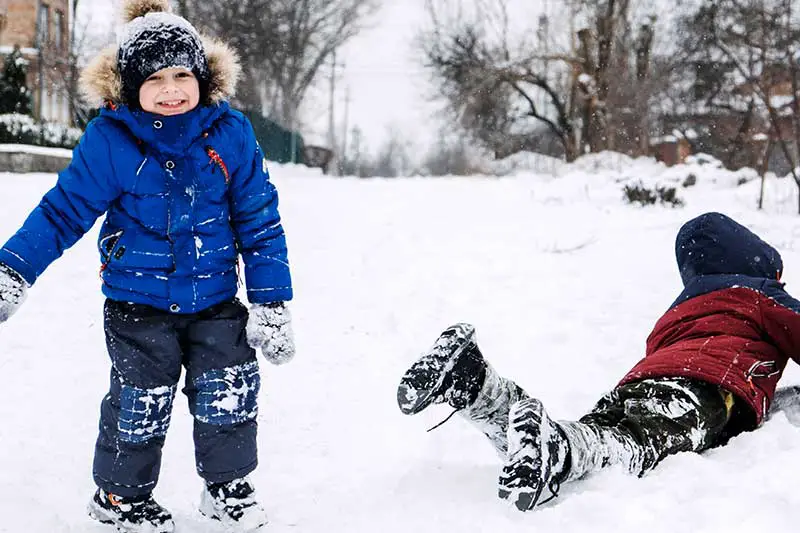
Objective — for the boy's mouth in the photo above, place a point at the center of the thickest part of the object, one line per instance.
(172, 104)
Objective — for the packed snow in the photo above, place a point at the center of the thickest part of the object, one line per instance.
(563, 281)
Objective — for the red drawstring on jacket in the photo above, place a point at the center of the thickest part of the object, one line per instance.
(217, 159)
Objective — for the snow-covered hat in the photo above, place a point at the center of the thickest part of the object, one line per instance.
(101, 81)
(152, 39)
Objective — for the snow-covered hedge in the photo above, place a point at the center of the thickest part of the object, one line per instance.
(23, 129)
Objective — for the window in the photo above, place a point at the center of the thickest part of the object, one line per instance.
(58, 29)
(44, 25)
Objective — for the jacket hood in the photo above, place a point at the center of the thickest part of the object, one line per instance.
(101, 83)
(716, 244)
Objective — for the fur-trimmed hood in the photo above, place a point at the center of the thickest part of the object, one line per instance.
(101, 83)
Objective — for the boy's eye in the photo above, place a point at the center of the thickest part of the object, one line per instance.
(153, 78)
(184, 75)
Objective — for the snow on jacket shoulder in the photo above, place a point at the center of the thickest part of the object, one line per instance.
(734, 325)
(184, 196)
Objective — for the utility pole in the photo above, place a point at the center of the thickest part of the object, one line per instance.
(332, 114)
(345, 125)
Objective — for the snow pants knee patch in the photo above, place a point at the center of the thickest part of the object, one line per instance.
(133, 425)
(144, 413)
(227, 396)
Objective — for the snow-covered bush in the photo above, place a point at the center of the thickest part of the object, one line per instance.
(639, 193)
(15, 96)
(23, 129)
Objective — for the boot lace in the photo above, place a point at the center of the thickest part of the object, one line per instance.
(443, 421)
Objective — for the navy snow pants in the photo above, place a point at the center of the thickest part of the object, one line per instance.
(148, 348)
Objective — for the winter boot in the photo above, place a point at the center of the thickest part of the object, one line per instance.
(489, 411)
(130, 515)
(538, 452)
(451, 372)
(234, 505)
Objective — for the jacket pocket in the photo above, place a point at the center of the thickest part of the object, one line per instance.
(133, 252)
(109, 246)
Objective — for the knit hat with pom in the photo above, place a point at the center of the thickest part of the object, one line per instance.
(153, 39)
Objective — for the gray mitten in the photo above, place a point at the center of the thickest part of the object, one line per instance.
(13, 291)
(269, 327)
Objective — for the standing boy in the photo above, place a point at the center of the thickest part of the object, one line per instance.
(185, 190)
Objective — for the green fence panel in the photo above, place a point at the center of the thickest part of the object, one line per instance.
(276, 141)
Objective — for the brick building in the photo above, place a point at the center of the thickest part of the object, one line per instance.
(41, 29)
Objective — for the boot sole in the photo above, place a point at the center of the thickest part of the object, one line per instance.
(521, 482)
(419, 386)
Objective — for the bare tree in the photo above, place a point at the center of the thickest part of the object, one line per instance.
(450, 157)
(755, 47)
(505, 92)
(283, 44)
(63, 69)
(491, 86)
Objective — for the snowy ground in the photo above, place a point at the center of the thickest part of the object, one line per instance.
(563, 282)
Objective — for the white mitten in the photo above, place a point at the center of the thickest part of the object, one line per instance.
(269, 327)
(13, 291)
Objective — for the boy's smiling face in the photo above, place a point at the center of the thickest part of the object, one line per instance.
(170, 91)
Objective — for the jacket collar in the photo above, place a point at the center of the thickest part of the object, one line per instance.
(170, 135)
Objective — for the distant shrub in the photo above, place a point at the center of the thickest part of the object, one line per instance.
(23, 129)
(639, 193)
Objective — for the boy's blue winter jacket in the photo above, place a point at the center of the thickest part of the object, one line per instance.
(184, 195)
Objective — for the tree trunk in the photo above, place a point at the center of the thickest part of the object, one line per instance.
(183, 8)
(738, 144)
(247, 93)
(571, 150)
(763, 168)
(584, 82)
(644, 45)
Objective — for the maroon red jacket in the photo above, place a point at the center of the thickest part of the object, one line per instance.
(734, 325)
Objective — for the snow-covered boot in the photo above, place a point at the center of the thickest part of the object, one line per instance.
(489, 411)
(454, 371)
(451, 372)
(234, 505)
(538, 452)
(130, 515)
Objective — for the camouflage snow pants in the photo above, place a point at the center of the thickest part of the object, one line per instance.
(635, 425)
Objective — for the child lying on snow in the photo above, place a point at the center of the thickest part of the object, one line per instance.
(710, 370)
